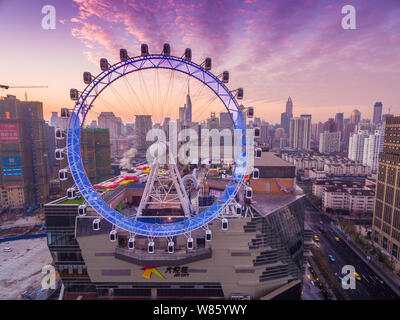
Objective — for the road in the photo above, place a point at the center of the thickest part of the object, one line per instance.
(370, 287)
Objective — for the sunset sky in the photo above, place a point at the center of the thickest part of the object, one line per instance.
(273, 49)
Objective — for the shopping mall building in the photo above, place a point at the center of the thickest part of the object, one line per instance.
(260, 255)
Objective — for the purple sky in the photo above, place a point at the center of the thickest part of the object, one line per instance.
(272, 49)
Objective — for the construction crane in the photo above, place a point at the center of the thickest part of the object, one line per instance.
(5, 87)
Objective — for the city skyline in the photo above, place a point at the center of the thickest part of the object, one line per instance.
(324, 68)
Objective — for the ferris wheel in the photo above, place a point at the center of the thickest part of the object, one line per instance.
(85, 102)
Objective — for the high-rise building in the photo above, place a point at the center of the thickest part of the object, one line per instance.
(188, 108)
(356, 145)
(355, 117)
(51, 148)
(285, 122)
(225, 121)
(96, 154)
(373, 145)
(329, 142)
(386, 219)
(182, 114)
(347, 131)
(143, 124)
(93, 124)
(23, 154)
(212, 122)
(386, 116)
(330, 125)
(54, 119)
(107, 120)
(377, 118)
(300, 132)
(339, 122)
(289, 107)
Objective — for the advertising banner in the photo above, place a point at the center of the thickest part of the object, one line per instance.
(8, 162)
(9, 132)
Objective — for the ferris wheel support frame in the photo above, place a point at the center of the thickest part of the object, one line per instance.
(84, 103)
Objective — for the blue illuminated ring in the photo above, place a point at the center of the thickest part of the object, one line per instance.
(77, 119)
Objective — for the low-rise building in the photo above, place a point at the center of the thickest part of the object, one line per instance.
(350, 197)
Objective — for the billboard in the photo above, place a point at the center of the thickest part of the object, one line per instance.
(8, 162)
(9, 132)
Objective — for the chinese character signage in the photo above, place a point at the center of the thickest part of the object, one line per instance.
(173, 271)
(178, 271)
(9, 132)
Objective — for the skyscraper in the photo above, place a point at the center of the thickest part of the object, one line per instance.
(286, 116)
(339, 123)
(23, 153)
(289, 107)
(386, 219)
(377, 113)
(96, 154)
(285, 122)
(300, 132)
(188, 107)
(329, 142)
(225, 121)
(356, 145)
(54, 119)
(373, 145)
(107, 120)
(143, 124)
(330, 125)
(355, 117)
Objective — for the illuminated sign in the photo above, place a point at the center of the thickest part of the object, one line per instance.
(9, 132)
(11, 161)
(148, 271)
(13, 173)
(178, 271)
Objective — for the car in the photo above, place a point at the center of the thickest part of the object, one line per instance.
(7, 249)
(316, 238)
(357, 276)
(337, 239)
(331, 258)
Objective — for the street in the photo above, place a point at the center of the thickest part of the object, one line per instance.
(370, 287)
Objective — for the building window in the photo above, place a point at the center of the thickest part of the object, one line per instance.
(379, 191)
(389, 195)
(395, 250)
(384, 243)
(376, 236)
(381, 173)
(378, 209)
(391, 175)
